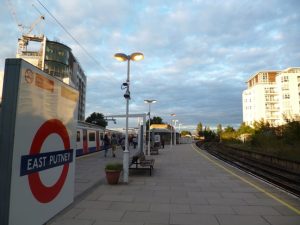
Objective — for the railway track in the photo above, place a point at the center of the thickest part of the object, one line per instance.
(285, 179)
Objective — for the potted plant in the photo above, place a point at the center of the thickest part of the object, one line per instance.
(113, 171)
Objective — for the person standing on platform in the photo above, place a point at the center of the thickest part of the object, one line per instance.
(114, 142)
(134, 141)
(162, 140)
(106, 144)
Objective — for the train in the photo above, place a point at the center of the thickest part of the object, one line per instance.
(89, 138)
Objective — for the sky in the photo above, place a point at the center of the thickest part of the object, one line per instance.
(198, 54)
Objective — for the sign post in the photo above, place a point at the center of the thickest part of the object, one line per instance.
(37, 142)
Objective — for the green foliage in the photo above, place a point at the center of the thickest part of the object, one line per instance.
(282, 141)
(219, 129)
(209, 135)
(185, 132)
(229, 134)
(199, 129)
(114, 166)
(154, 120)
(291, 133)
(97, 118)
(245, 129)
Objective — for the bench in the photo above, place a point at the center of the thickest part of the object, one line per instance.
(139, 161)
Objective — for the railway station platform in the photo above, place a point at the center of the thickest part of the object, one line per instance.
(188, 187)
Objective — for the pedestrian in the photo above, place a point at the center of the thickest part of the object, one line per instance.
(106, 144)
(114, 142)
(162, 140)
(134, 141)
(122, 143)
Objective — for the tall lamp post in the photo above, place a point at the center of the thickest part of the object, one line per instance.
(173, 115)
(175, 136)
(149, 101)
(123, 57)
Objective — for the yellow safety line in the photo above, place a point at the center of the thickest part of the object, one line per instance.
(249, 182)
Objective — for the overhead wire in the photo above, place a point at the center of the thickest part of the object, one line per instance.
(73, 38)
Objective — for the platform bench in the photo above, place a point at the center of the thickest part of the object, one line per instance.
(139, 161)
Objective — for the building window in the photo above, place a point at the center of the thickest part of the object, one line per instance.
(265, 77)
(92, 136)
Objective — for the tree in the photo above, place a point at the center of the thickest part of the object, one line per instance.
(185, 132)
(245, 129)
(219, 129)
(229, 129)
(209, 135)
(199, 129)
(154, 120)
(97, 118)
(228, 134)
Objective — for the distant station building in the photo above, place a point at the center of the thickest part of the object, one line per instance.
(57, 60)
(165, 131)
(272, 96)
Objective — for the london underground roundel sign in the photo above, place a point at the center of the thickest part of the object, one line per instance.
(36, 161)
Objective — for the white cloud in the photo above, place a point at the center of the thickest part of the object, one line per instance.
(198, 54)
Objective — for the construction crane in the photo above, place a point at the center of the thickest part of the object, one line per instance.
(26, 32)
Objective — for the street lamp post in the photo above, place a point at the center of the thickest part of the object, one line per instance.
(149, 101)
(171, 144)
(123, 57)
(175, 121)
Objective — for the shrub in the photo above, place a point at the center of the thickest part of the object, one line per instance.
(114, 166)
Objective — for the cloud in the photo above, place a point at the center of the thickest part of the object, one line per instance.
(198, 54)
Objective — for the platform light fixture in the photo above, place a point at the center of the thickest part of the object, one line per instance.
(149, 101)
(122, 58)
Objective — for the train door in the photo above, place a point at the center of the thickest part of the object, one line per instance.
(97, 141)
(79, 143)
(85, 143)
(101, 140)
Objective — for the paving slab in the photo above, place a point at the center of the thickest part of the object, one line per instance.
(186, 188)
(241, 220)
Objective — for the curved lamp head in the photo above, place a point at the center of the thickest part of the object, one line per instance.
(137, 56)
(150, 101)
(134, 56)
(121, 57)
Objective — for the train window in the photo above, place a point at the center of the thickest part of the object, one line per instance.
(78, 136)
(92, 136)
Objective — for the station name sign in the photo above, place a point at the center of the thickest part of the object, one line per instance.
(39, 162)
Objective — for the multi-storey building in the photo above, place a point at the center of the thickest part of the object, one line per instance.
(272, 96)
(288, 87)
(57, 60)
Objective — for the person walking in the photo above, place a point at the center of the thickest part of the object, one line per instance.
(114, 142)
(106, 144)
(122, 143)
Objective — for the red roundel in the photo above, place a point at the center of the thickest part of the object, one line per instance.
(41, 192)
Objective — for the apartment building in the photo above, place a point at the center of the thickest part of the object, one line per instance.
(57, 60)
(288, 88)
(272, 96)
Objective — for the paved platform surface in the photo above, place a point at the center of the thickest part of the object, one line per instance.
(187, 187)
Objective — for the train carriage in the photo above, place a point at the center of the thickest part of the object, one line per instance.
(90, 138)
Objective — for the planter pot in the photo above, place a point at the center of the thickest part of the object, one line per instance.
(112, 176)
